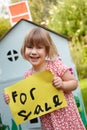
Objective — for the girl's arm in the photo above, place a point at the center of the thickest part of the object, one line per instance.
(66, 83)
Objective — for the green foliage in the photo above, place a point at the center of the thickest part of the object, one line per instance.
(4, 26)
(14, 1)
(79, 55)
(70, 18)
(40, 10)
(37, 10)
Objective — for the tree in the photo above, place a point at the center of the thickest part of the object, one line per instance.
(70, 18)
(40, 10)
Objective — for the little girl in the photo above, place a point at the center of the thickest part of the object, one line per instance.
(39, 49)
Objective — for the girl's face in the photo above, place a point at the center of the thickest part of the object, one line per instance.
(36, 54)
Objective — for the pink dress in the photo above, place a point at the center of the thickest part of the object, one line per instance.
(67, 118)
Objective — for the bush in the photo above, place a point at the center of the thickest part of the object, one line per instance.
(82, 71)
(79, 56)
(4, 26)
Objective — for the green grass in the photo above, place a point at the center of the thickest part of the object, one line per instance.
(83, 87)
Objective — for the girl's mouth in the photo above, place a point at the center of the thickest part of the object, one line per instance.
(34, 58)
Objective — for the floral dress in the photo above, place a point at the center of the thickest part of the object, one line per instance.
(67, 118)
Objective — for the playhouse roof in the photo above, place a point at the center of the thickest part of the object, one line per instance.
(35, 25)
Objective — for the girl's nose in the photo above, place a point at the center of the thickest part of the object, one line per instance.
(34, 50)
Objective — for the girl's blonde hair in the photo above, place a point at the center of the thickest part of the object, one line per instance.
(39, 36)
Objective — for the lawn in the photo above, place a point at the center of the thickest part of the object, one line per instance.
(83, 87)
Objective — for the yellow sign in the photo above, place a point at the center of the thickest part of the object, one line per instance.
(34, 96)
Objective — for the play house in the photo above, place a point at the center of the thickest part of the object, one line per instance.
(13, 66)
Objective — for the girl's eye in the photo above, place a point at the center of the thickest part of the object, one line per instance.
(29, 46)
(40, 47)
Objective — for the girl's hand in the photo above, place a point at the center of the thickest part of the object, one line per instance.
(57, 82)
(6, 98)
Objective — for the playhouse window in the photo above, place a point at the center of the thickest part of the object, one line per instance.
(12, 55)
